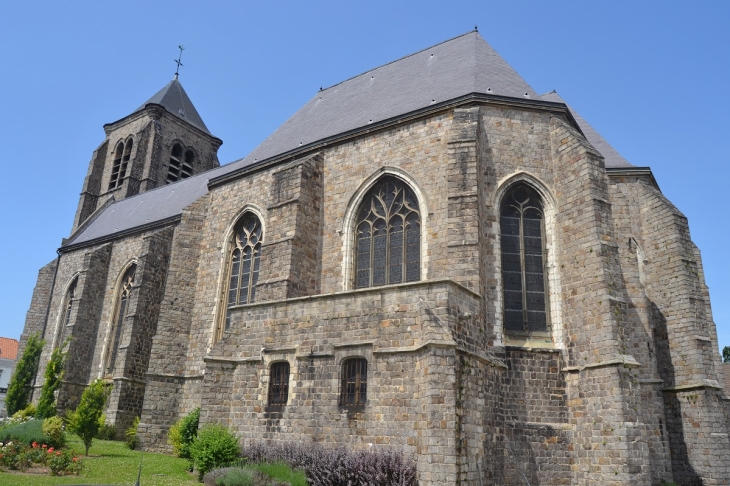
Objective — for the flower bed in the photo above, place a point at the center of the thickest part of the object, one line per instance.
(21, 457)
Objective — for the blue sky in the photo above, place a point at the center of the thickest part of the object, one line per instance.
(651, 77)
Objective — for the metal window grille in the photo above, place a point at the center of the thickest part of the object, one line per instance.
(122, 305)
(388, 236)
(524, 279)
(353, 391)
(244, 265)
(279, 383)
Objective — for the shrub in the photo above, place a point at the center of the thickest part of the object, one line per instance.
(106, 431)
(182, 434)
(130, 435)
(51, 383)
(26, 414)
(214, 447)
(22, 378)
(339, 467)
(64, 461)
(24, 432)
(53, 431)
(84, 421)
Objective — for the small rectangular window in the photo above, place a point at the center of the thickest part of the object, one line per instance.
(353, 391)
(279, 383)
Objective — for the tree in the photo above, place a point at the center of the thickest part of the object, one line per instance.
(52, 382)
(726, 354)
(84, 421)
(21, 382)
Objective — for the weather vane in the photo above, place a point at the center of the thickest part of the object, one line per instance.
(177, 61)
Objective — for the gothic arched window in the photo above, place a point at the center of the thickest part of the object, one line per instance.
(243, 273)
(354, 387)
(181, 167)
(122, 153)
(524, 281)
(124, 292)
(65, 317)
(388, 236)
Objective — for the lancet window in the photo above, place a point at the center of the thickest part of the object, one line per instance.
(244, 264)
(66, 309)
(388, 236)
(353, 390)
(279, 383)
(122, 154)
(181, 166)
(524, 276)
(120, 313)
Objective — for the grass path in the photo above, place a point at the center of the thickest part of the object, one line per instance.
(111, 462)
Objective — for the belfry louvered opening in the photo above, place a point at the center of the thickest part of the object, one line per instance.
(388, 236)
(181, 166)
(524, 275)
(122, 154)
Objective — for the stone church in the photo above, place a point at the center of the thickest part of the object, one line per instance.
(429, 257)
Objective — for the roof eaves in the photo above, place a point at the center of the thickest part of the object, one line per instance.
(121, 234)
(388, 123)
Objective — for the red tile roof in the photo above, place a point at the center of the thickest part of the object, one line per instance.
(8, 348)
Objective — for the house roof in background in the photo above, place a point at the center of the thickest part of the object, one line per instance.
(8, 348)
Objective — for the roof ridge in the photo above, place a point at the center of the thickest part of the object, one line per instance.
(401, 58)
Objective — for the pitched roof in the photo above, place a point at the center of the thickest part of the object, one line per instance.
(446, 71)
(8, 348)
(612, 158)
(176, 101)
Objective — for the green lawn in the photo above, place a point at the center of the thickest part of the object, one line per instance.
(112, 463)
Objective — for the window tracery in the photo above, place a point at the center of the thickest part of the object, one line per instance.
(388, 236)
(524, 275)
(122, 304)
(244, 265)
(66, 309)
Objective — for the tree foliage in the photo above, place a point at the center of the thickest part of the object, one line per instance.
(21, 382)
(726, 354)
(84, 421)
(51, 383)
(182, 434)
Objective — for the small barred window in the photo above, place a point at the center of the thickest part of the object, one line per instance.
(353, 391)
(122, 303)
(388, 236)
(524, 255)
(122, 154)
(279, 383)
(181, 167)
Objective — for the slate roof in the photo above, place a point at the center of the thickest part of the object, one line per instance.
(8, 348)
(612, 158)
(176, 101)
(446, 71)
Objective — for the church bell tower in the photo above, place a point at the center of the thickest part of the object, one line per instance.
(162, 142)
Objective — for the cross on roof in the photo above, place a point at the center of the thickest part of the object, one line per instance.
(177, 61)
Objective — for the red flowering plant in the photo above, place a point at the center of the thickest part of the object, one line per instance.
(18, 456)
(64, 461)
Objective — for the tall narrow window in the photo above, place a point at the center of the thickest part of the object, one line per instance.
(122, 301)
(354, 387)
(523, 262)
(279, 383)
(244, 264)
(65, 318)
(388, 236)
(181, 167)
(122, 154)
